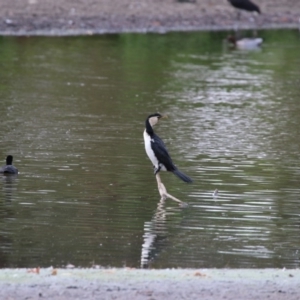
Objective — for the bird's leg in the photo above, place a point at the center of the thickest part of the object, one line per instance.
(163, 191)
(237, 24)
(156, 170)
(161, 188)
(238, 15)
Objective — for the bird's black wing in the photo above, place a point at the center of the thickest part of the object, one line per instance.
(161, 152)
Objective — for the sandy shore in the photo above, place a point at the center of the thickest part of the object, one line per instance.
(54, 17)
(210, 284)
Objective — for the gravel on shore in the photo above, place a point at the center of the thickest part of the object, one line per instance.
(68, 17)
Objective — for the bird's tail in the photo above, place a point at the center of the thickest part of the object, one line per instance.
(182, 176)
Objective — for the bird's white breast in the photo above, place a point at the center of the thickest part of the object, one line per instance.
(149, 151)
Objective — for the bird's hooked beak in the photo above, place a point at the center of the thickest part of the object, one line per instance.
(161, 117)
(153, 120)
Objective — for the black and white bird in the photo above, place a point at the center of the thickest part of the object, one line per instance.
(245, 5)
(157, 151)
(9, 168)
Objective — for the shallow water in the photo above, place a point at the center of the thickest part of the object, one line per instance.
(73, 111)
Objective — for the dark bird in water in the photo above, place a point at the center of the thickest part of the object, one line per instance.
(245, 5)
(157, 151)
(9, 168)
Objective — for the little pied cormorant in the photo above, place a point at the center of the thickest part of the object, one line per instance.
(157, 151)
(9, 168)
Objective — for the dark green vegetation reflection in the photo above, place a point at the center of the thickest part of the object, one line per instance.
(72, 114)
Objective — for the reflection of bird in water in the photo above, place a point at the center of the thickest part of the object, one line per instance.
(155, 231)
(215, 193)
(245, 43)
(157, 151)
(9, 186)
(9, 168)
(155, 235)
(7, 213)
(245, 5)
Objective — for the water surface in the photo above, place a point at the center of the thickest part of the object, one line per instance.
(73, 112)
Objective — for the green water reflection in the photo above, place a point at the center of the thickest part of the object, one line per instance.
(72, 114)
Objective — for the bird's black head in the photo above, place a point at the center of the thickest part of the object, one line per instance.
(9, 159)
(157, 115)
(153, 120)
